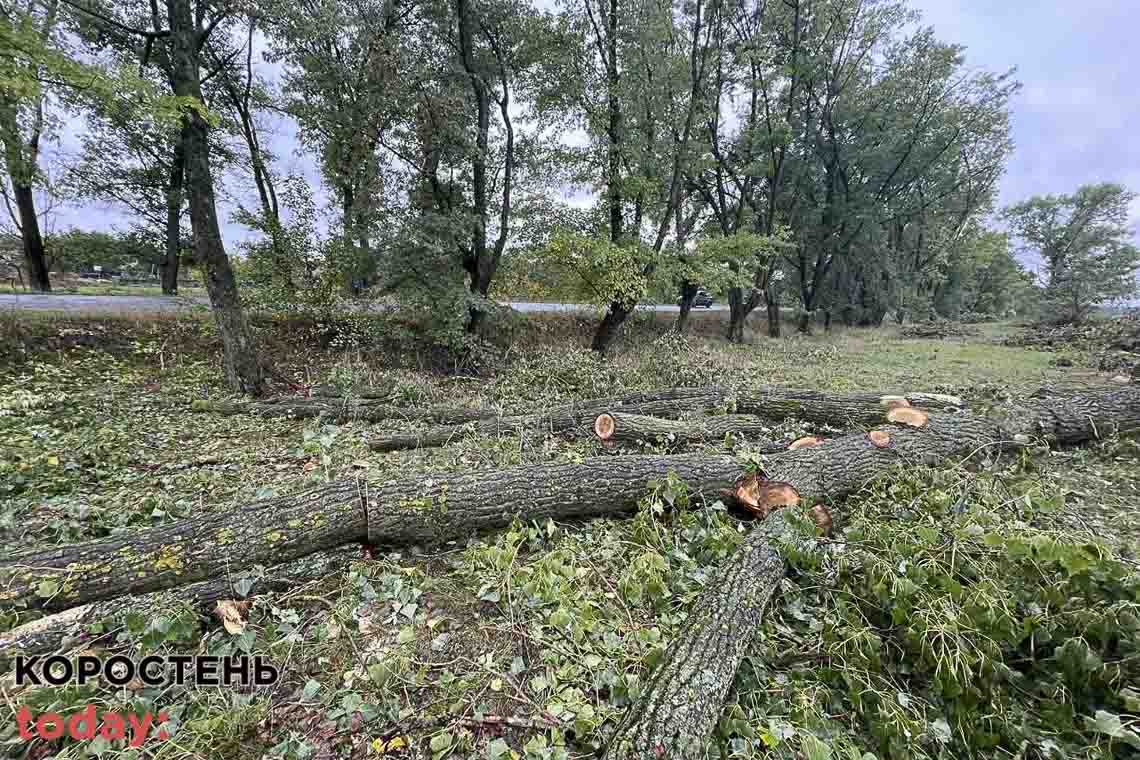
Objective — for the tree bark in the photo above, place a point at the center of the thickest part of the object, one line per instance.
(244, 371)
(71, 627)
(426, 511)
(433, 509)
(610, 327)
(31, 238)
(773, 318)
(571, 420)
(688, 293)
(342, 410)
(677, 715)
(173, 250)
(575, 419)
(622, 427)
(686, 696)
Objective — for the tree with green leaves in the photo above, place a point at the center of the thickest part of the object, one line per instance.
(1085, 242)
(29, 34)
(173, 37)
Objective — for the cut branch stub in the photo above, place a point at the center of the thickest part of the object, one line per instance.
(905, 415)
(894, 402)
(762, 497)
(880, 439)
(604, 427)
(807, 442)
(821, 517)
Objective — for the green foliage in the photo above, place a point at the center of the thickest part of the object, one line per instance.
(1085, 242)
(601, 272)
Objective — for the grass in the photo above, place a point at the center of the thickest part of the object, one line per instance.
(556, 626)
(103, 289)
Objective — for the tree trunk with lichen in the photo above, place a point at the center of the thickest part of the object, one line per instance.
(576, 418)
(571, 420)
(341, 410)
(621, 427)
(72, 627)
(434, 509)
(427, 510)
(677, 714)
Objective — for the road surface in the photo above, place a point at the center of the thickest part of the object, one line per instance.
(66, 302)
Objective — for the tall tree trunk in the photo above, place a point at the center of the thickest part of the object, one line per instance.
(33, 241)
(170, 258)
(610, 327)
(243, 368)
(688, 293)
(773, 317)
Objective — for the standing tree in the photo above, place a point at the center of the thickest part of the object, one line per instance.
(28, 31)
(177, 43)
(1084, 241)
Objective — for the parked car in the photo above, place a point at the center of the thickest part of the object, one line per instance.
(702, 300)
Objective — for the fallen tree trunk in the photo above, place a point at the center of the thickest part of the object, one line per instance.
(620, 427)
(340, 409)
(422, 510)
(572, 420)
(71, 627)
(443, 507)
(677, 714)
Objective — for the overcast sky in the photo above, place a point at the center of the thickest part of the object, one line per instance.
(1074, 122)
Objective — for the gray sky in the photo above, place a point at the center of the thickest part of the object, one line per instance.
(1074, 122)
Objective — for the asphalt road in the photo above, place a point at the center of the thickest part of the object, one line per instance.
(66, 302)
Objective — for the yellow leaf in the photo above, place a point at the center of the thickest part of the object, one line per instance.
(395, 744)
(53, 461)
(230, 613)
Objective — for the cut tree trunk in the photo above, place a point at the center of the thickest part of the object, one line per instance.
(621, 427)
(576, 419)
(686, 696)
(71, 627)
(701, 665)
(423, 510)
(342, 410)
(441, 507)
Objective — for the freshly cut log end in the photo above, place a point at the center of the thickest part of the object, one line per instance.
(604, 427)
(762, 497)
(821, 517)
(807, 442)
(908, 416)
(894, 402)
(880, 439)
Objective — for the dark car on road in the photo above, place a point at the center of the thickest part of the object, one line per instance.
(702, 300)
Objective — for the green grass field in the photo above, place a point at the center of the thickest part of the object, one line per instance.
(531, 642)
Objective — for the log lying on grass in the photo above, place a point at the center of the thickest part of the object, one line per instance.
(440, 507)
(620, 427)
(72, 627)
(835, 409)
(572, 419)
(423, 510)
(686, 696)
(341, 410)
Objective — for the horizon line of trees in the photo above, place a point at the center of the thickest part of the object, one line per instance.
(828, 154)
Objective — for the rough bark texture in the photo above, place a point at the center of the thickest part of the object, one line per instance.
(572, 419)
(686, 694)
(243, 368)
(340, 409)
(669, 722)
(30, 236)
(632, 428)
(423, 510)
(577, 418)
(173, 246)
(446, 506)
(72, 627)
